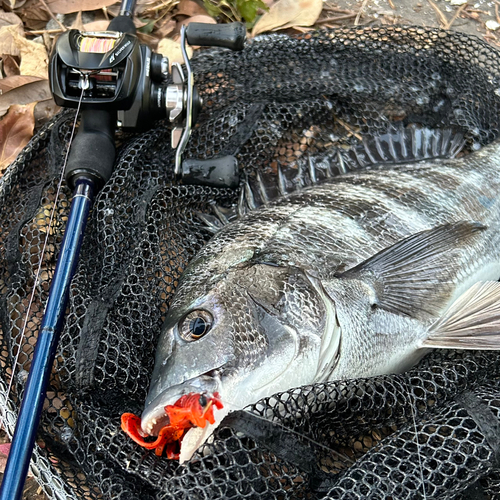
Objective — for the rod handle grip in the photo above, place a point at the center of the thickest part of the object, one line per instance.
(231, 36)
(92, 154)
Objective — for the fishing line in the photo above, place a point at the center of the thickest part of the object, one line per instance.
(42, 255)
(337, 454)
(419, 454)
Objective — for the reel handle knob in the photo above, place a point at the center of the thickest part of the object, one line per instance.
(216, 172)
(231, 36)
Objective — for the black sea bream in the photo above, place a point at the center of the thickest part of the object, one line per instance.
(355, 277)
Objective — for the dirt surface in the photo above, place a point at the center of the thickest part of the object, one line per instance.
(471, 18)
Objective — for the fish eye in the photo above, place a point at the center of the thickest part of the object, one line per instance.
(195, 324)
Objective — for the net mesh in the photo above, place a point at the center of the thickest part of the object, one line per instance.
(276, 105)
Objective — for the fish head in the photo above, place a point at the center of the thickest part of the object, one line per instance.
(246, 333)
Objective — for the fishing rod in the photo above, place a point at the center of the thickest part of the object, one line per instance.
(116, 82)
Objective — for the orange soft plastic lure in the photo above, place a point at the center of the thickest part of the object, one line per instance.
(185, 413)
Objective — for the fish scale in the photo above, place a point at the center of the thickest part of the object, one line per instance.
(355, 276)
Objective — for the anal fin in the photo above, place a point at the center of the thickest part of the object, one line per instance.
(471, 322)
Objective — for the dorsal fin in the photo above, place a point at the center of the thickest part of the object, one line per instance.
(410, 144)
(398, 145)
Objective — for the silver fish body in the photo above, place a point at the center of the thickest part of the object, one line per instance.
(340, 280)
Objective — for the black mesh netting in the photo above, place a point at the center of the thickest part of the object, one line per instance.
(280, 104)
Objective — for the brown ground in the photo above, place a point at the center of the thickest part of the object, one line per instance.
(470, 18)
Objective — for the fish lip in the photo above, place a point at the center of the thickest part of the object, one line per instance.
(154, 418)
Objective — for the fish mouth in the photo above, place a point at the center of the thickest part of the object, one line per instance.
(154, 417)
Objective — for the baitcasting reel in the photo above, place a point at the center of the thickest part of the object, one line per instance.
(112, 71)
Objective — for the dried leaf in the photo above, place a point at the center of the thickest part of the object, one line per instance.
(9, 39)
(166, 27)
(31, 92)
(96, 26)
(34, 59)
(8, 18)
(287, 14)
(70, 6)
(172, 49)
(190, 8)
(10, 65)
(34, 16)
(16, 129)
(78, 23)
(150, 40)
(12, 82)
(199, 19)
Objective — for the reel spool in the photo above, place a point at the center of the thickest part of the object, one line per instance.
(111, 70)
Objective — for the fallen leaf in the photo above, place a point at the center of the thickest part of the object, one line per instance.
(34, 58)
(165, 28)
(31, 92)
(8, 18)
(96, 26)
(16, 4)
(12, 82)
(249, 8)
(199, 19)
(16, 129)
(287, 14)
(34, 16)
(70, 6)
(150, 40)
(78, 23)
(10, 65)
(172, 49)
(9, 37)
(190, 8)
(146, 26)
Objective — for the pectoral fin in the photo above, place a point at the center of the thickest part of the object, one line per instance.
(471, 322)
(414, 277)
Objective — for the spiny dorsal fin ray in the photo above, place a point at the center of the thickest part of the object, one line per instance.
(398, 145)
(427, 255)
(413, 143)
(471, 322)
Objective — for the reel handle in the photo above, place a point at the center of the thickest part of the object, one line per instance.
(216, 172)
(231, 36)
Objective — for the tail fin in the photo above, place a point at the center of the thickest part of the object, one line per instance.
(471, 322)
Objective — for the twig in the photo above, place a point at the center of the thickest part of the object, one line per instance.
(391, 4)
(442, 17)
(329, 8)
(363, 5)
(47, 8)
(457, 13)
(349, 128)
(168, 4)
(334, 19)
(42, 32)
(496, 12)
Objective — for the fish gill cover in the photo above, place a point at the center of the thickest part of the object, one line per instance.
(287, 102)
